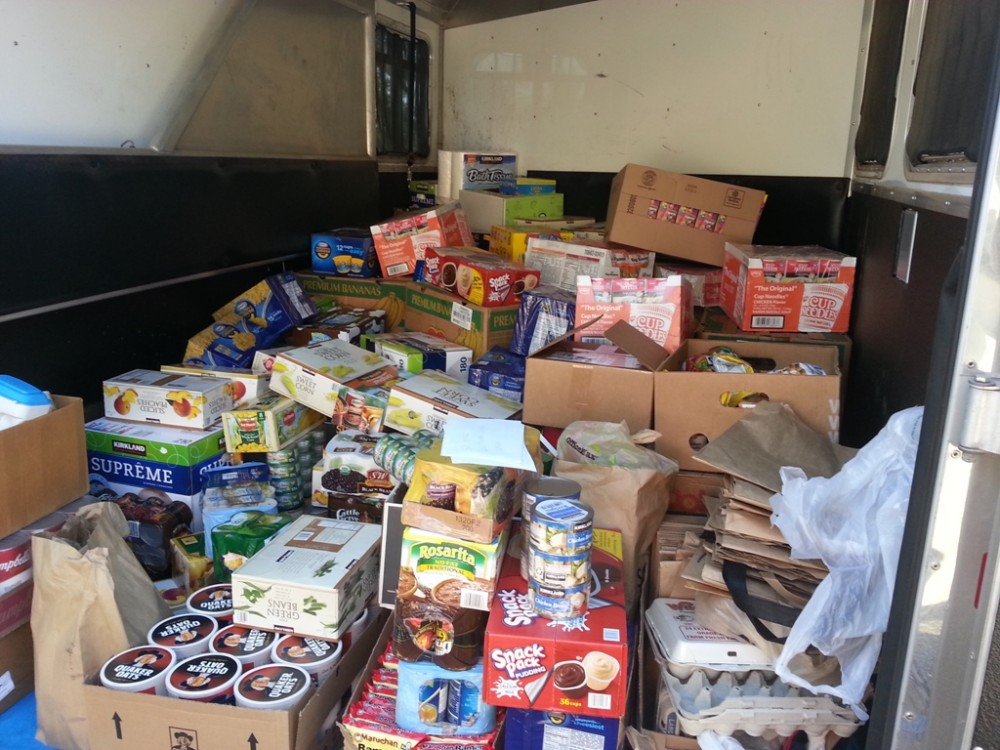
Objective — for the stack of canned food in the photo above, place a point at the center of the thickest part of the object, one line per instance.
(556, 557)
(291, 469)
(397, 453)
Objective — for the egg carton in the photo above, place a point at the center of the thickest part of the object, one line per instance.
(756, 705)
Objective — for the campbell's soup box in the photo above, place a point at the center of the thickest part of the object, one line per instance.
(142, 669)
(577, 665)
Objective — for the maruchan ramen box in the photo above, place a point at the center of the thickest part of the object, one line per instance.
(312, 579)
(416, 352)
(401, 241)
(167, 398)
(561, 262)
(705, 281)
(428, 400)
(337, 379)
(478, 276)
(778, 288)
(271, 424)
(348, 251)
(369, 294)
(679, 215)
(659, 308)
(245, 385)
(441, 313)
(579, 666)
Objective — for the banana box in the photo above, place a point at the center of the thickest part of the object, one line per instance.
(271, 424)
(338, 322)
(345, 252)
(441, 313)
(416, 352)
(167, 398)
(370, 294)
(337, 379)
(428, 400)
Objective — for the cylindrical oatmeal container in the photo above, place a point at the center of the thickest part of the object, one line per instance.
(209, 678)
(317, 656)
(215, 601)
(185, 634)
(274, 687)
(142, 669)
(250, 646)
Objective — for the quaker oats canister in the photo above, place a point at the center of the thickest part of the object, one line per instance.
(275, 687)
(185, 634)
(142, 669)
(250, 646)
(209, 678)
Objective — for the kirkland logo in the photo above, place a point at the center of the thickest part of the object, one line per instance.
(129, 449)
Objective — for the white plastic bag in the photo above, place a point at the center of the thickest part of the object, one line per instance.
(853, 522)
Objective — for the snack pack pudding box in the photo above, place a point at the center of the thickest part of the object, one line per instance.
(577, 666)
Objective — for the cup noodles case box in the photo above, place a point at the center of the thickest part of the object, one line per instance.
(428, 400)
(679, 215)
(580, 665)
(401, 241)
(478, 276)
(312, 579)
(705, 281)
(337, 379)
(561, 262)
(167, 398)
(778, 288)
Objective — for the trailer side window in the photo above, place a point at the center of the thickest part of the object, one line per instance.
(951, 86)
(871, 144)
(402, 110)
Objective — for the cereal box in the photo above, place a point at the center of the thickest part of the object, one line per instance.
(167, 398)
(705, 281)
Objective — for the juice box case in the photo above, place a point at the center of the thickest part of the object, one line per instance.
(578, 665)
(167, 398)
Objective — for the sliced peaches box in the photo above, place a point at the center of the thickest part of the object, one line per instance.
(193, 401)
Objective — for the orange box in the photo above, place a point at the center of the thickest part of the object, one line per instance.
(798, 289)
(400, 242)
(659, 308)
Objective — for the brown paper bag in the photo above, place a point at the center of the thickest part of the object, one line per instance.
(633, 501)
(92, 599)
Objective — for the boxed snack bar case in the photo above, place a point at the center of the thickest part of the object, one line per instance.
(29, 488)
(778, 288)
(644, 210)
(138, 721)
(580, 665)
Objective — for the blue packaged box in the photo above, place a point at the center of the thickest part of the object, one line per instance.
(501, 372)
(546, 313)
(510, 185)
(528, 729)
(349, 251)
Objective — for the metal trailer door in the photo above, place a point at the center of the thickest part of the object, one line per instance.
(936, 655)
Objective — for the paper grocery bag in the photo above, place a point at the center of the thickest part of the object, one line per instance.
(91, 600)
(633, 501)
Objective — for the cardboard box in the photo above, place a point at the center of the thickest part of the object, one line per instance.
(191, 565)
(263, 361)
(562, 262)
(17, 668)
(271, 424)
(145, 721)
(715, 325)
(705, 281)
(526, 186)
(29, 488)
(151, 442)
(688, 412)
(500, 372)
(570, 380)
(689, 490)
(193, 401)
(478, 276)
(659, 308)
(775, 288)
(486, 208)
(369, 294)
(348, 468)
(522, 650)
(339, 322)
(428, 400)
(245, 385)
(644, 211)
(511, 242)
(348, 251)
(440, 313)
(416, 352)
(472, 170)
(400, 242)
(312, 579)
(337, 379)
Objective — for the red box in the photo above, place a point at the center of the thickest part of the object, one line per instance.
(659, 308)
(400, 242)
(522, 650)
(797, 289)
(478, 276)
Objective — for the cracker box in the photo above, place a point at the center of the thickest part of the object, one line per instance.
(416, 352)
(348, 468)
(246, 385)
(194, 401)
(271, 424)
(401, 241)
(312, 579)
(561, 262)
(441, 313)
(777, 288)
(579, 666)
(451, 571)
(705, 281)
(337, 379)
(428, 400)
(659, 308)
(344, 252)
(679, 215)
(478, 276)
